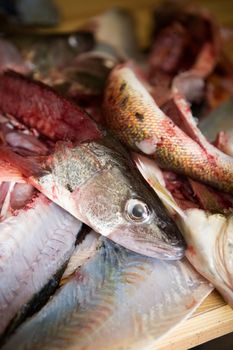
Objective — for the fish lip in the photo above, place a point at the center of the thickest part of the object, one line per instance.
(163, 251)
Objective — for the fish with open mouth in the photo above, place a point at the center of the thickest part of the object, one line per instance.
(98, 184)
(114, 300)
(132, 115)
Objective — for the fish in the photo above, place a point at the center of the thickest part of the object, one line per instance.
(39, 106)
(210, 240)
(116, 299)
(133, 116)
(98, 184)
(36, 241)
(208, 231)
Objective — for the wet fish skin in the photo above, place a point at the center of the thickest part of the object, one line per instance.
(117, 300)
(133, 116)
(99, 170)
(98, 184)
(35, 243)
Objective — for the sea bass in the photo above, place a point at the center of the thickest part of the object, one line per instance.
(132, 114)
(36, 241)
(116, 300)
(98, 184)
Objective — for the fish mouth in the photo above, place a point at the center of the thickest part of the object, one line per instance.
(159, 250)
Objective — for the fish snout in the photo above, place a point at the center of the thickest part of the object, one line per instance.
(145, 244)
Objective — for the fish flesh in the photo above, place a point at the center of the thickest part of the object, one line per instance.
(209, 239)
(115, 300)
(39, 106)
(185, 49)
(132, 115)
(98, 184)
(36, 241)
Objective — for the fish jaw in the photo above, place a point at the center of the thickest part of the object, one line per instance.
(172, 249)
(132, 114)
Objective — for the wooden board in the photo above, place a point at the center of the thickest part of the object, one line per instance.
(213, 318)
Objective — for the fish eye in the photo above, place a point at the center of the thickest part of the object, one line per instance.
(137, 210)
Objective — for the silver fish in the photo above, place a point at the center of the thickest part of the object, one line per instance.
(35, 243)
(117, 300)
(99, 185)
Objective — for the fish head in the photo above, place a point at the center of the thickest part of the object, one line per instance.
(122, 208)
(99, 184)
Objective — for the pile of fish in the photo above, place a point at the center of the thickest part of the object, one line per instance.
(116, 203)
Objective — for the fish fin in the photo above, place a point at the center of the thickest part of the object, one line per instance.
(8, 172)
(23, 167)
(153, 175)
(83, 251)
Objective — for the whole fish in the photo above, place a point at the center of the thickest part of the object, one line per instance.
(132, 114)
(116, 300)
(98, 184)
(36, 241)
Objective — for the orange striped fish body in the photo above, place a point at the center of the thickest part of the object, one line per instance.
(132, 114)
